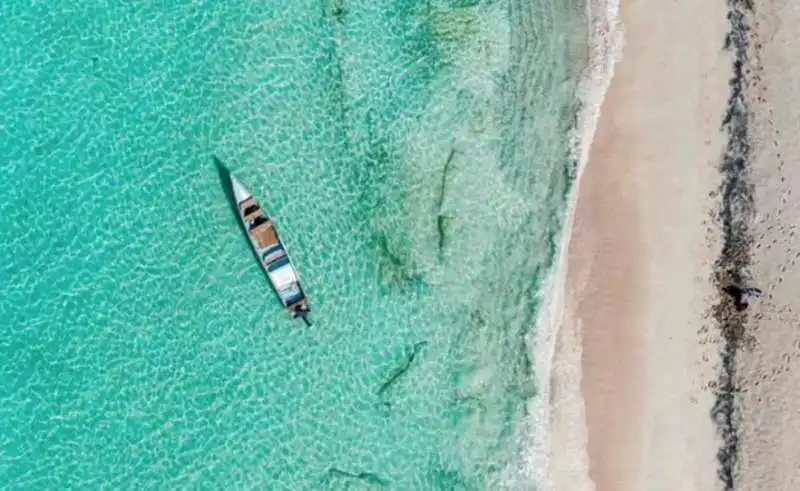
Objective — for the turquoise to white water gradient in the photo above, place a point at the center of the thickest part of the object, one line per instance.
(414, 156)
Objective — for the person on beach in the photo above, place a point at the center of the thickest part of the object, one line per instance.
(742, 296)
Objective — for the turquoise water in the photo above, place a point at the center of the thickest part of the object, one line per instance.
(414, 157)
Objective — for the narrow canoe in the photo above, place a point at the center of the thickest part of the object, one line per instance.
(271, 252)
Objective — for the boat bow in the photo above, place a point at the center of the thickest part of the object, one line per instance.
(239, 191)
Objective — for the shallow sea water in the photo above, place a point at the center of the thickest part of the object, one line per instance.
(414, 155)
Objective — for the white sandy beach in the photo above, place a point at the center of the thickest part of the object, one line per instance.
(769, 369)
(640, 256)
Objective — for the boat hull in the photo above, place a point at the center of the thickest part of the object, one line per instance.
(271, 252)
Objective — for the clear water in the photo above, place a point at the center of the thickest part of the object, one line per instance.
(414, 156)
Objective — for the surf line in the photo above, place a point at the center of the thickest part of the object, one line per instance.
(730, 268)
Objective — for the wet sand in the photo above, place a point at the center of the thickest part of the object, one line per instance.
(639, 273)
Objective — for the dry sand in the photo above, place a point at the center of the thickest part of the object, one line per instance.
(640, 257)
(768, 369)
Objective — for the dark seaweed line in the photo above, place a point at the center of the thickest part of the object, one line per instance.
(367, 477)
(731, 266)
(398, 372)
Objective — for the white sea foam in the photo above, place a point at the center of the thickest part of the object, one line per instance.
(605, 36)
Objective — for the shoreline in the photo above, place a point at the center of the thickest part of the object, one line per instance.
(558, 410)
(644, 365)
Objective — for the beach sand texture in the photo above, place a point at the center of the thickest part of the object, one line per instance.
(768, 369)
(641, 259)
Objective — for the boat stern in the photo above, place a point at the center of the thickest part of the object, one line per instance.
(302, 310)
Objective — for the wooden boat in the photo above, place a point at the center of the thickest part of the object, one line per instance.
(271, 252)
